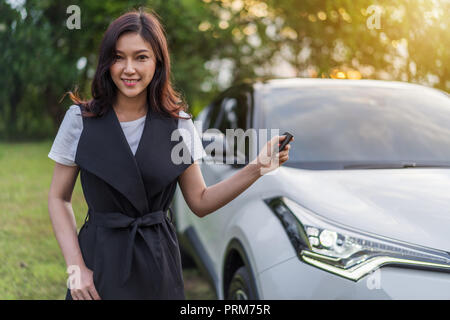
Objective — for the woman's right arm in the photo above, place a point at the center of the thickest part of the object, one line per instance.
(65, 228)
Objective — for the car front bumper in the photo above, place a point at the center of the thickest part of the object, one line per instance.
(294, 279)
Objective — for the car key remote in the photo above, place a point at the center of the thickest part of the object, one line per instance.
(286, 140)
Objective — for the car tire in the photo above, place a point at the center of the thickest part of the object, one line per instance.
(241, 287)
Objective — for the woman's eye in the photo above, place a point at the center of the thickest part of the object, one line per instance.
(117, 57)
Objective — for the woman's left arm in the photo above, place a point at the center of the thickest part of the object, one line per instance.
(203, 200)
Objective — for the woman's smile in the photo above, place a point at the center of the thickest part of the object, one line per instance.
(130, 82)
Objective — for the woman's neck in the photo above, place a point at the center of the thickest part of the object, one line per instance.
(128, 109)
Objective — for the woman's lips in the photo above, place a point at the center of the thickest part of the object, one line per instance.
(130, 83)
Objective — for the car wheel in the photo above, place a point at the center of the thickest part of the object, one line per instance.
(240, 286)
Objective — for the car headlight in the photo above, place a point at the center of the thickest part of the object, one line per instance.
(345, 252)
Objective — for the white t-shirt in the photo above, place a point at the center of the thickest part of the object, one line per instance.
(64, 147)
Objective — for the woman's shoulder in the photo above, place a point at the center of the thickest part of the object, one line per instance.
(191, 136)
(75, 108)
(65, 144)
(185, 123)
(73, 119)
(184, 115)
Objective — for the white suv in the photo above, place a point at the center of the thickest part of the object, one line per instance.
(360, 211)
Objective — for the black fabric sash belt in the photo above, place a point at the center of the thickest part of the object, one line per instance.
(120, 220)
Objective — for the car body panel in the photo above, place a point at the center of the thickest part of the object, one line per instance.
(408, 205)
(296, 280)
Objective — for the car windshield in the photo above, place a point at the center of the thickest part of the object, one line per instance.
(350, 126)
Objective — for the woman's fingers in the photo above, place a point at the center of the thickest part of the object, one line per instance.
(270, 157)
(77, 295)
(280, 139)
(284, 154)
(85, 294)
(93, 292)
(85, 288)
(288, 146)
(74, 295)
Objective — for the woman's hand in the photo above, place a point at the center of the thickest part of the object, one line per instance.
(84, 288)
(269, 158)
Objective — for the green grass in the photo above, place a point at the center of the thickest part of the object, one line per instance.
(31, 262)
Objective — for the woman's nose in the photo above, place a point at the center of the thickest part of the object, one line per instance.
(129, 68)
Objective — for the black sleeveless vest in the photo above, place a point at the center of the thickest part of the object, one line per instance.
(128, 240)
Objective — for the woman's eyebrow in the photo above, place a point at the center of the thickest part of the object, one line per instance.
(137, 51)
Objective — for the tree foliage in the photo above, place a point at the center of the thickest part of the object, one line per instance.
(214, 43)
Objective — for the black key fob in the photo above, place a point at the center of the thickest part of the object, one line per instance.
(286, 140)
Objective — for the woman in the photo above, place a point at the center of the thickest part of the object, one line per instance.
(120, 142)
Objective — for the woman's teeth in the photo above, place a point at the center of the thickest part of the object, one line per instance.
(130, 83)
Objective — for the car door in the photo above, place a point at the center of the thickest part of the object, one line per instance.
(233, 110)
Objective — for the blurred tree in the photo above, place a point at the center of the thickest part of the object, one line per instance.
(41, 58)
(215, 43)
(410, 43)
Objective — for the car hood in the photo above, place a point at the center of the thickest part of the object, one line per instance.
(411, 205)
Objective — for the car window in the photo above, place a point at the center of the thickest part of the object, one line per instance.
(204, 116)
(214, 113)
(235, 114)
(353, 124)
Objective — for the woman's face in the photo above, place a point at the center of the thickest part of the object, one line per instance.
(134, 67)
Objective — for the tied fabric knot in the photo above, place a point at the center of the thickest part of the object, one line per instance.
(138, 222)
(120, 220)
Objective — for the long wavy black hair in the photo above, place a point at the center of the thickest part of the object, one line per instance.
(161, 96)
